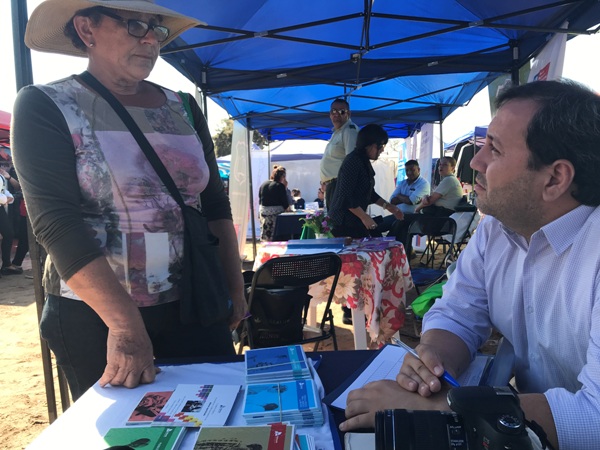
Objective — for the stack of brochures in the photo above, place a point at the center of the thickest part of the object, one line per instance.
(275, 436)
(295, 401)
(276, 364)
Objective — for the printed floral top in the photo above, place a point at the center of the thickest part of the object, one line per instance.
(91, 191)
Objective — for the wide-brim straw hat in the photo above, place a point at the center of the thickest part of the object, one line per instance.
(46, 26)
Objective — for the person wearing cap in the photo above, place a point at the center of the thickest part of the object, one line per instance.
(113, 233)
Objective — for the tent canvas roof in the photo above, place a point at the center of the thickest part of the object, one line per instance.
(249, 57)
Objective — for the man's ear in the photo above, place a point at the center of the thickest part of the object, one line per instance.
(560, 175)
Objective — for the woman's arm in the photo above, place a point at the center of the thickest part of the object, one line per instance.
(44, 156)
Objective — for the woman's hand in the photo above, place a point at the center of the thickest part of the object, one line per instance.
(129, 357)
(398, 214)
(240, 310)
(368, 222)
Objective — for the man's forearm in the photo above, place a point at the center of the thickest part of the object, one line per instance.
(536, 408)
(451, 350)
(399, 198)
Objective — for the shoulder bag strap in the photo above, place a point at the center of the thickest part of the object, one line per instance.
(146, 147)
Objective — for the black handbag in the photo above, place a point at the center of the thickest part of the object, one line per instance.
(204, 295)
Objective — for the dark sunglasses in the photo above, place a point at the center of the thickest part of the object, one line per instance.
(139, 28)
(341, 112)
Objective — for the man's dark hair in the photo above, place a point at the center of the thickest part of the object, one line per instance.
(411, 162)
(371, 134)
(341, 100)
(565, 126)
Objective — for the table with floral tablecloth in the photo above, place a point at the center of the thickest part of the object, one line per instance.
(374, 279)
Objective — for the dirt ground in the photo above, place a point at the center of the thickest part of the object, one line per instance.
(23, 405)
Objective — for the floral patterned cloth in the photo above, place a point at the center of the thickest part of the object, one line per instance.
(375, 277)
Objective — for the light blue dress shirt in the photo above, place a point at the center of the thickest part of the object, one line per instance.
(544, 298)
(415, 192)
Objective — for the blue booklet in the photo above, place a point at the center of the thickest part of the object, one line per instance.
(283, 363)
(328, 243)
(296, 402)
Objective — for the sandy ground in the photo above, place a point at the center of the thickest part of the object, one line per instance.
(23, 405)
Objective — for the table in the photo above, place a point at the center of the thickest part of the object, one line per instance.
(374, 280)
(288, 225)
(82, 425)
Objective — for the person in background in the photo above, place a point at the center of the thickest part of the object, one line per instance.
(446, 195)
(410, 191)
(273, 200)
(341, 143)
(320, 200)
(530, 271)
(6, 228)
(98, 207)
(17, 217)
(355, 188)
(407, 196)
(299, 202)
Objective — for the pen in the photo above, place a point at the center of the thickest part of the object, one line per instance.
(446, 376)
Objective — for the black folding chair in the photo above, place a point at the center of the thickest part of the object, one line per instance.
(278, 301)
(433, 227)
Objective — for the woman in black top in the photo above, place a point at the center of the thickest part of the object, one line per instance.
(355, 191)
(273, 199)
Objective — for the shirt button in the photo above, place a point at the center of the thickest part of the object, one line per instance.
(530, 309)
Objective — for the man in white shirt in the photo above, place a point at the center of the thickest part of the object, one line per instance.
(532, 271)
(342, 142)
(411, 190)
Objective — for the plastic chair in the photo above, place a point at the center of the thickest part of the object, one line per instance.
(278, 301)
(433, 227)
(464, 217)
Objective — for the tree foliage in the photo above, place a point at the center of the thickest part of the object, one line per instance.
(224, 135)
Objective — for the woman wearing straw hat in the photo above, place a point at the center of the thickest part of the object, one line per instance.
(112, 232)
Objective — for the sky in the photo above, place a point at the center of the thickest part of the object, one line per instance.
(581, 64)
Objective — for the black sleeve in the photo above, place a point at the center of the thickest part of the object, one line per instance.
(44, 156)
(283, 195)
(215, 202)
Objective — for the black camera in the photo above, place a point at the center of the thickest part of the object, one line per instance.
(482, 417)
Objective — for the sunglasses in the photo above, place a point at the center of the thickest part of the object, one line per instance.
(341, 112)
(139, 28)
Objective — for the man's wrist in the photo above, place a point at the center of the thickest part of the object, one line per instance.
(385, 205)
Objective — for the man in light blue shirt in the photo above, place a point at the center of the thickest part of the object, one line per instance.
(411, 190)
(532, 271)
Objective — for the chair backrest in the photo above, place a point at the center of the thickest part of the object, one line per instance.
(301, 270)
(278, 297)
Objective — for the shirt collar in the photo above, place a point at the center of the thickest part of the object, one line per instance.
(560, 233)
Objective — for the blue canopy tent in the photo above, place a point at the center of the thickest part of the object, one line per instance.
(399, 104)
(337, 48)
